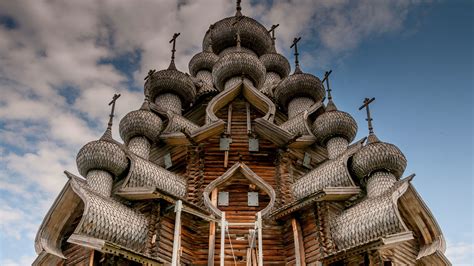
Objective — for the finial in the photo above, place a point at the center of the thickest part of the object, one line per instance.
(330, 105)
(108, 131)
(238, 9)
(173, 40)
(237, 34)
(272, 33)
(297, 63)
(372, 137)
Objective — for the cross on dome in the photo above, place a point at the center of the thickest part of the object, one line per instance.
(295, 45)
(367, 101)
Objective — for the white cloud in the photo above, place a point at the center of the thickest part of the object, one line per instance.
(460, 253)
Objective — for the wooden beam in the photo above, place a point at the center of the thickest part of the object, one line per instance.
(212, 232)
(222, 254)
(260, 238)
(228, 132)
(299, 244)
(175, 261)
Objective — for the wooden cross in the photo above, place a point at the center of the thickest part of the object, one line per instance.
(150, 72)
(173, 40)
(367, 101)
(295, 44)
(114, 99)
(272, 32)
(326, 78)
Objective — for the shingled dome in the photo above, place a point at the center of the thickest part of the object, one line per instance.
(334, 124)
(379, 156)
(299, 85)
(202, 61)
(237, 64)
(253, 34)
(140, 123)
(277, 63)
(103, 155)
(171, 81)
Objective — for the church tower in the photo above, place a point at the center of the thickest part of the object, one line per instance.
(240, 162)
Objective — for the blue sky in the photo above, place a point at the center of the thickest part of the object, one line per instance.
(61, 62)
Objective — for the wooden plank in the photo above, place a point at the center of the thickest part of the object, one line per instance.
(212, 231)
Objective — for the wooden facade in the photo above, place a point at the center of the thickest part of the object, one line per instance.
(258, 170)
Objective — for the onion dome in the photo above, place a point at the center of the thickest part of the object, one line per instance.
(238, 64)
(377, 155)
(254, 35)
(273, 61)
(298, 84)
(202, 61)
(142, 122)
(103, 154)
(277, 63)
(334, 124)
(171, 81)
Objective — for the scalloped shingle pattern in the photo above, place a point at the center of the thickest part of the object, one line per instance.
(103, 155)
(334, 124)
(235, 65)
(147, 174)
(379, 156)
(299, 105)
(202, 61)
(171, 81)
(253, 35)
(299, 85)
(140, 123)
(104, 218)
(332, 173)
(277, 63)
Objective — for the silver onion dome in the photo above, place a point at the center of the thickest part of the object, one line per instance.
(140, 123)
(237, 64)
(299, 85)
(102, 154)
(378, 156)
(171, 81)
(253, 34)
(202, 61)
(334, 124)
(277, 63)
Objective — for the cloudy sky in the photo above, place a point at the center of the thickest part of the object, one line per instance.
(61, 62)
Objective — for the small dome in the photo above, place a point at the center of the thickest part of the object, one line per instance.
(171, 81)
(202, 61)
(334, 124)
(253, 34)
(299, 85)
(277, 63)
(140, 123)
(103, 155)
(238, 64)
(378, 156)
(234, 49)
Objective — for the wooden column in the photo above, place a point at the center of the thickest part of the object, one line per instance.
(223, 226)
(299, 244)
(260, 239)
(212, 232)
(175, 261)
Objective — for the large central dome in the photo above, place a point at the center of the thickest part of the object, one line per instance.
(253, 35)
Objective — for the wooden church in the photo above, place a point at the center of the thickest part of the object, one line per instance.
(239, 162)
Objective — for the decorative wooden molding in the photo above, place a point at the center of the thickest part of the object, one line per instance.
(247, 173)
